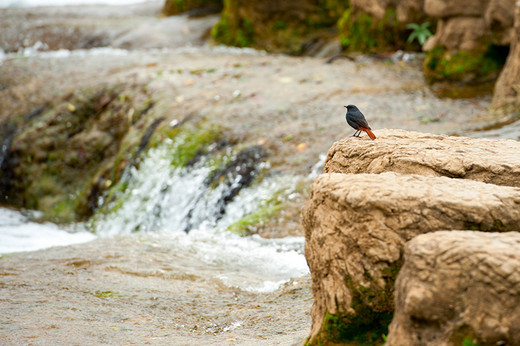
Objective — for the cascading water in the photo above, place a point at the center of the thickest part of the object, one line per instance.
(169, 201)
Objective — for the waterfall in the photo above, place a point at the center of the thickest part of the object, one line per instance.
(181, 205)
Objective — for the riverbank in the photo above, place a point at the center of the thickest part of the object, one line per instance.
(135, 288)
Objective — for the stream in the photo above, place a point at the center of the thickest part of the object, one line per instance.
(160, 265)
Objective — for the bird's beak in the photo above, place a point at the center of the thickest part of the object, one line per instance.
(345, 106)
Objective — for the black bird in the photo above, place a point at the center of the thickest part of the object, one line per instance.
(357, 120)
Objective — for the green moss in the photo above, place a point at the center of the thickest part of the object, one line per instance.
(106, 294)
(233, 30)
(464, 335)
(479, 65)
(342, 328)
(246, 224)
(243, 24)
(360, 32)
(62, 211)
(373, 313)
(266, 210)
(191, 144)
(172, 7)
(469, 342)
(60, 152)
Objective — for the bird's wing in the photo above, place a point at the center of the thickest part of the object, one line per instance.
(359, 119)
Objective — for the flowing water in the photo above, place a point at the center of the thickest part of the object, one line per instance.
(178, 206)
(19, 233)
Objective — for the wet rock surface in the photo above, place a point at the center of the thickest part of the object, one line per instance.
(135, 289)
(356, 226)
(457, 286)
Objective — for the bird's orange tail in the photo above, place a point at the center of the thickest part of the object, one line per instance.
(369, 133)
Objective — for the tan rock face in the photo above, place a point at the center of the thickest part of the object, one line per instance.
(356, 226)
(407, 10)
(499, 15)
(507, 88)
(490, 161)
(456, 285)
(464, 33)
(447, 8)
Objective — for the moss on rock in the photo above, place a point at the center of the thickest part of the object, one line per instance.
(361, 32)
(276, 26)
(463, 66)
(373, 311)
(250, 223)
(233, 29)
(61, 161)
(172, 7)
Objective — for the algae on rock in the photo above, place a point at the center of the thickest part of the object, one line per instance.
(61, 160)
(172, 7)
(463, 66)
(276, 26)
(361, 32)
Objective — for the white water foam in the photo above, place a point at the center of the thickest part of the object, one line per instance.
(36, 3)
(168, 200)
(17, 234)
(163, 201)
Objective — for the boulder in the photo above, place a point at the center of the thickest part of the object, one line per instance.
(500, 20)
(356, 226)
(507, 88)
(458, 288)
(464, 33)
(489, 161)
(450, 8)
(410, 11)
(290, 26)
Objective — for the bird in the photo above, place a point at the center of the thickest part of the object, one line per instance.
(357, 120)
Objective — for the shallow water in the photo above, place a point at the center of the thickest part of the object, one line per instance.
(168, 200)
(34, 3)
(161, 202)
(18, 233)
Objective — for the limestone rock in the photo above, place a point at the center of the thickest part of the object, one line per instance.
(490, 161)
(407, 10)
(356, 226)
(466, 33)
(458, 285)
(500, 20)
(447, 8)
(375, 8)
(507, 88)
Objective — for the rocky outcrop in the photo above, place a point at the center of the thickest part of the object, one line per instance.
(377, 195)
(467, 43)
(507, 88)
(489, 161)
(407, 11)
(458, 288)
(469, 25)
(284, 26)
(61, 158)
(196, 7)
(356, 226)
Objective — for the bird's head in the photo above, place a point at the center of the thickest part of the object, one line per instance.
(350, 107)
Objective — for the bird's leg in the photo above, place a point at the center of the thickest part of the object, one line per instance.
(354, 135)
